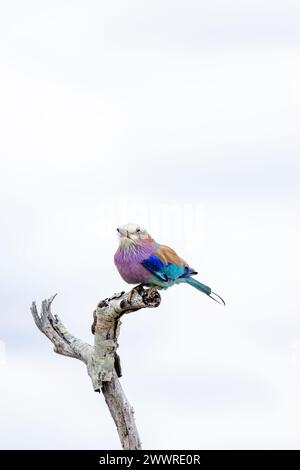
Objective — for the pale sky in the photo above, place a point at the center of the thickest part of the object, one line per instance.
(182, 116)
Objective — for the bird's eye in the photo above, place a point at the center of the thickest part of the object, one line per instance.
(138, 230)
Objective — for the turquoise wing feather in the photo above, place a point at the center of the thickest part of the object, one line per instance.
(166, 265)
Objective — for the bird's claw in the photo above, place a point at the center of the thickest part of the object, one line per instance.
(152, 290)
(135, 290)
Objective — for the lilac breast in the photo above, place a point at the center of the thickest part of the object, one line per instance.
(128, 261)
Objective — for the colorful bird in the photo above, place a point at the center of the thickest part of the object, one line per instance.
(141, 260)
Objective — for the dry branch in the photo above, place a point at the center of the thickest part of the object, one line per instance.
(102, 360)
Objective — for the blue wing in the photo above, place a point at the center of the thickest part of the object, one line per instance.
(156, 266)
(166, 272)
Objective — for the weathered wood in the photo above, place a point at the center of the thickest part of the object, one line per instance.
(102, 361)
(122, 413)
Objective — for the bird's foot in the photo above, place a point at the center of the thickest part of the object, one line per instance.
(136, 290)
(152, 290)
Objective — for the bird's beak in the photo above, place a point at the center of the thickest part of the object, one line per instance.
(122, 232)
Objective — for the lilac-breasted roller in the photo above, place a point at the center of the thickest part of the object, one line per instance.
(141, 260)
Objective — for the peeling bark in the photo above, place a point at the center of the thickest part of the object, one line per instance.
(102, 361)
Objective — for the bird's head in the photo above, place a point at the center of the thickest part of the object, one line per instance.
(132, 234)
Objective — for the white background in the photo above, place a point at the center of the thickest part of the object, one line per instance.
(182, 116)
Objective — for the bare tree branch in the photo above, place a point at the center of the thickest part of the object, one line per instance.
(102, 360)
